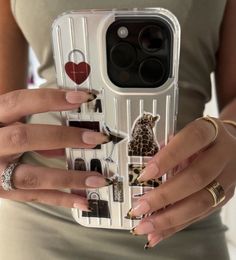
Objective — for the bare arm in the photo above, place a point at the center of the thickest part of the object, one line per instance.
(13, 52)
(226, 64)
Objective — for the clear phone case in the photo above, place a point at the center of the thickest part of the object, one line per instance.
(139, 119)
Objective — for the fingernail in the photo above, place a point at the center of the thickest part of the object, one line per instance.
(144, 228)
(96, 182)
(95, 138)
(150, 172)
(80, 206)
(109, 182)
(79, 97)
(92, 97)
(108, 138)
(141, 208)
(146, 246)
(129, 216)
(132, 231)
(154, 242)
(138, 195)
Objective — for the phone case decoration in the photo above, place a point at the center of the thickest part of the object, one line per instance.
(118, 189)
(115, 137)
(143, 141)
(99, 208)
(134, 172)
(136, 116)
(77, 72)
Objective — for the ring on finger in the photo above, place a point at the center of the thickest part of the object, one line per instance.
(6, 177)
(217, 192)
(214, 123)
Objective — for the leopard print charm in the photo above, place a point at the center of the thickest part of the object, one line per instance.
(143, 141)
(135, 171)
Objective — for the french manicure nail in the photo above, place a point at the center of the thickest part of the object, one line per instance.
(95, 182)
(146, 246)
(132, 231)
(108, 182)
(154, 242)
(141, 208)
(144, 228)
(130, 216)
(79, 97)
(92, 97)
(91, 137)
(108, 138)
(150, 172)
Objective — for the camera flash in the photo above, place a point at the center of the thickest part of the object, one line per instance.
(123, 32)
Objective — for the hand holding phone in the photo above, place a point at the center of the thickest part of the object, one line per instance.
(129, 59)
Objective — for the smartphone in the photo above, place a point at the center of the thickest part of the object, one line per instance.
(130, 59)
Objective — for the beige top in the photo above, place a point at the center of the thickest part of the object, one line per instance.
(200, 22)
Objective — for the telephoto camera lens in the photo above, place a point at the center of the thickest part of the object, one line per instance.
(123, 55)
(151, 38)
(151, 71)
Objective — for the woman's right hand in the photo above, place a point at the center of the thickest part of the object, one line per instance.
(42, 184)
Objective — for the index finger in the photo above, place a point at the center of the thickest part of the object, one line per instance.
(20, 103)
(190, 140)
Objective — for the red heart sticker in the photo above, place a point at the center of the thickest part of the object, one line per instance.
(78, 72)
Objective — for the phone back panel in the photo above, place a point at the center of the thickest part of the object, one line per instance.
(140, 120)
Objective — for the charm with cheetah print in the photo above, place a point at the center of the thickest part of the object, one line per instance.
(143, 141)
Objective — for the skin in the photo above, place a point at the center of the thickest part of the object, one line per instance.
(16, 102)
(199, 160)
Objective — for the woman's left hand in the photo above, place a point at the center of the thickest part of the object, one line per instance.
(183, 199)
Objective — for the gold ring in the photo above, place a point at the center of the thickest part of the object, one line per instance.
(217, 192)
(230, 122)
(213, 122)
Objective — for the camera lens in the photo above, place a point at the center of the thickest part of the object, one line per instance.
(123, 55)
(151, 38)
(151, 71)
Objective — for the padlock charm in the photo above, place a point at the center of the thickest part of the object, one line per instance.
(77, 72)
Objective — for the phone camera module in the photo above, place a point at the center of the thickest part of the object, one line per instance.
(123, 32)
(139, 52)
(151, 38)
(123, 55)
(151, 71)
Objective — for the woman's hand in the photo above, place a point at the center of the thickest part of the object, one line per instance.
(42, 184)
(183, 199)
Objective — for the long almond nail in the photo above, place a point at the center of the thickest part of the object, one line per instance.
(142, 208)
(131, 217)
(79, 97)
(150, 172)
(91, 137)
(155, 241)
(144, 228)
